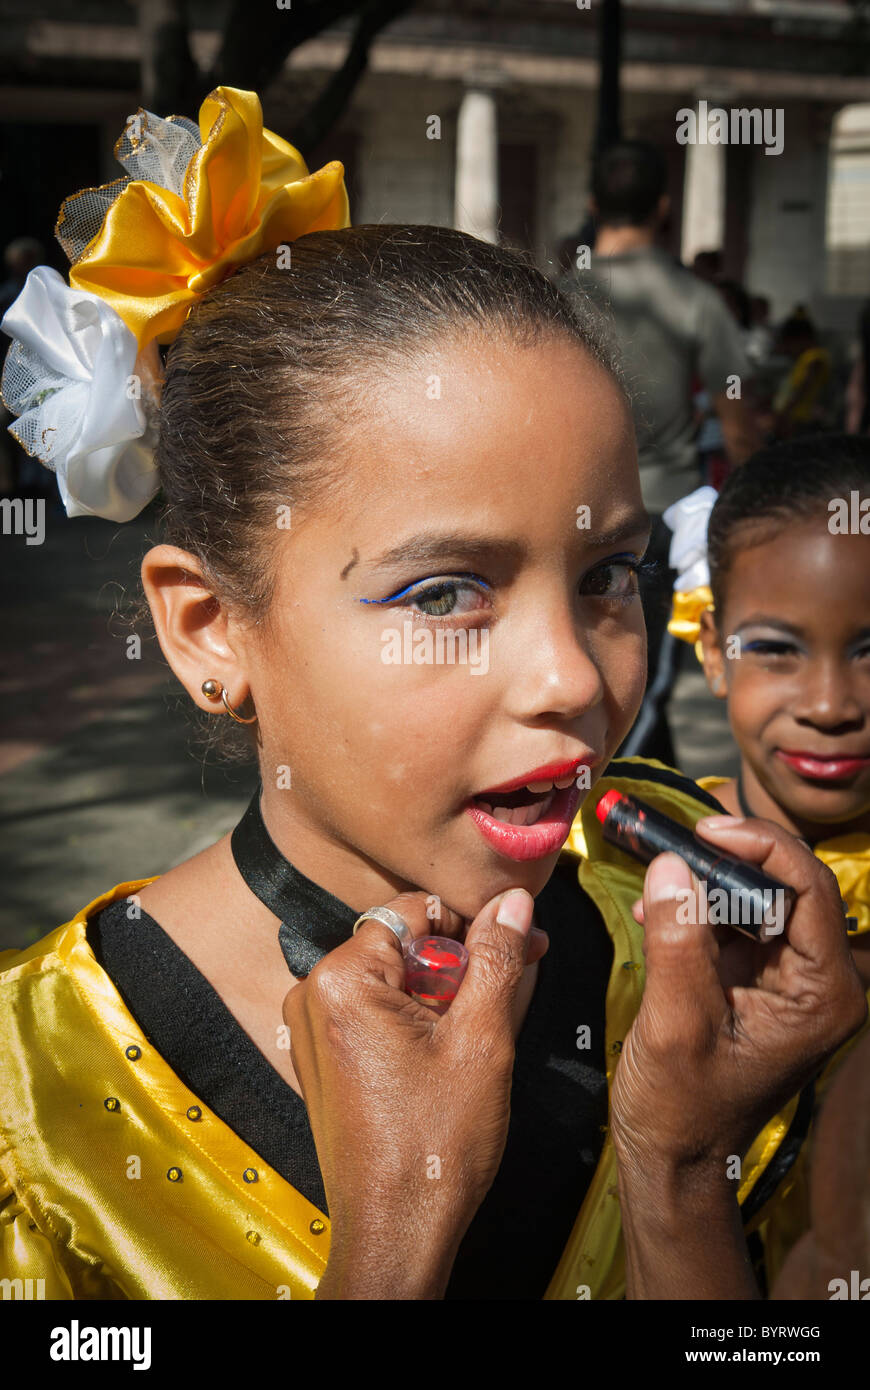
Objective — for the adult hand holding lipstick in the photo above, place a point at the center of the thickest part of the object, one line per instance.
(728, 1030)
(389, 1085)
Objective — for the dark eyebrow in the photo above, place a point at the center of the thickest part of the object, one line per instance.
(350, 564)
(638, 524)
(431, 546)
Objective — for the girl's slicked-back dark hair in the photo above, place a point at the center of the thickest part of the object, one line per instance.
(264, 382)
(791, 481)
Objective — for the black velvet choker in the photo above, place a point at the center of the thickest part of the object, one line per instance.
(313, 921)
(741, 798)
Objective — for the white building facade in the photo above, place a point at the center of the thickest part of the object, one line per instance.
(482, 114)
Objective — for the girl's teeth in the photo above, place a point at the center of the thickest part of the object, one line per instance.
(560, 782)
(519, 815)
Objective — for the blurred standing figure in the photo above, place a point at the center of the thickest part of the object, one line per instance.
(799, 405)
(759, 343)
(707, 265)
(671, 328)
(710, 442)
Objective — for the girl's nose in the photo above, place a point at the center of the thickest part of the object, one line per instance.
(828, 697)
(553, 671)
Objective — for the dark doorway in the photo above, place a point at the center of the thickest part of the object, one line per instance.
(40, 165)
(518, 194)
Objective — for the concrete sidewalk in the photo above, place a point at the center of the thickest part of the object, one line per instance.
(98, 782)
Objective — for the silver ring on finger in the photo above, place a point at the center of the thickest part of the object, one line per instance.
(388, 918)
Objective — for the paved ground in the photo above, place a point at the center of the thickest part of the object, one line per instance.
(98, 779)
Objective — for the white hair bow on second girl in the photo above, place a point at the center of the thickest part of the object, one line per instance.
(689, 519)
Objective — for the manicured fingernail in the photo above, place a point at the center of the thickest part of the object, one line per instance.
(667, 876)
(515, 910)
(720, 822)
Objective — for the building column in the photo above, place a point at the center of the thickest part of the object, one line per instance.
(703, 194)
(476, 195)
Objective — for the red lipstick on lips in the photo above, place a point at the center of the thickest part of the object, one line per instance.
(823, 767)
(548, 834)
(550, 773)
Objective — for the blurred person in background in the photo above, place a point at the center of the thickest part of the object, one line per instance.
(759, 341)
(672, 329)
(799, 406)
(707, 265)
(712, 454)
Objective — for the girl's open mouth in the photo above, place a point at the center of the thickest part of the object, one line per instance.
(525, 824)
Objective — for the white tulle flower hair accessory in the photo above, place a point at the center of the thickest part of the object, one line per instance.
(74, 378)
(84, 372)
(689, 520)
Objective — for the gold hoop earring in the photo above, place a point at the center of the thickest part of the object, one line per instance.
(212, 690)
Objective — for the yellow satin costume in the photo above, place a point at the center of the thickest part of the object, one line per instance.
(848, 858)
(116, 1182)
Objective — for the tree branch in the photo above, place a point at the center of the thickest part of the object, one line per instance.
(253, 52)
(324, 112)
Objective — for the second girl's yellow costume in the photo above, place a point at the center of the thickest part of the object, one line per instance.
(847, 856)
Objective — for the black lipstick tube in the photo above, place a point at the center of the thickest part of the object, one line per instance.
(748, 899)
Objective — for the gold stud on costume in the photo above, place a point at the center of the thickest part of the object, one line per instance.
(213, 690)
(317, 1227)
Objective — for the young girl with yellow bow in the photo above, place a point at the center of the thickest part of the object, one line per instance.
(774, 587)
(215, 1084)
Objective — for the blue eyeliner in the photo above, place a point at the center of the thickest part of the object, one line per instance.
(636, 562)
(760, 642)
(426, 584)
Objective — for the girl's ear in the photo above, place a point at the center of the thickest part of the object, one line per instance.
(714, 660)
(191, 625)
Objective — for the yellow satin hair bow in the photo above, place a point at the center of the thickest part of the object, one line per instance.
(244, 192)
(685, 620)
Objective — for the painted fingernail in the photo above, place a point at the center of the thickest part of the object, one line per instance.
(667, 876)
(515, 910)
